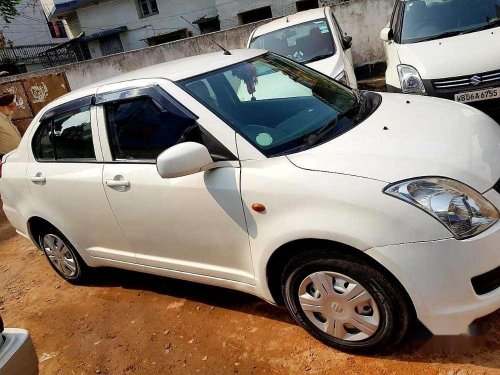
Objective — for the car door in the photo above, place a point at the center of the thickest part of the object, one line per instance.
(64, 175)
(391, 47)
(193, 224)
(347, 48)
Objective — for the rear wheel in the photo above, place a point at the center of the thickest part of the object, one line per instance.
(62, 256)
(345, 303)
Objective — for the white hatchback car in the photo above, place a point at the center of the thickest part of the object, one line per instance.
(360, 211)
(445, 48)
(313, 37)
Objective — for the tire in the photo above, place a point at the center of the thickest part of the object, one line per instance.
(376, 320)
(50, 240)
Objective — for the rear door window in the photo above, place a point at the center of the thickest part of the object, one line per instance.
(65, 137)
(73, 135)
(43, 147)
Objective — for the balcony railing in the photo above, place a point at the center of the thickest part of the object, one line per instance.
(45, 54)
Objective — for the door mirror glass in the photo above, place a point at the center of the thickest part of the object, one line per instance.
(347, 41)
(386, 34)
(183, 159)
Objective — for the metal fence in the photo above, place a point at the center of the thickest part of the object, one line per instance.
(45, 54)
(29, 54)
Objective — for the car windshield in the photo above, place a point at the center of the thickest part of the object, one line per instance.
(279, 106)
(304, 43)
(433, 19)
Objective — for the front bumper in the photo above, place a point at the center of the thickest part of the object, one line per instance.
(490, 107)
(17, 354)
(437, 275)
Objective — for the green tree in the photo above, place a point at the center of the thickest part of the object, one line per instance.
(8, 9)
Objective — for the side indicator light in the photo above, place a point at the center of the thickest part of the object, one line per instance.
(258, 207)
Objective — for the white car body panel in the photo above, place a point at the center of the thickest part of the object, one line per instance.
(392, 60)
(201, 227)
(455, 56)
(156, 227)
(413, 144)
(17, 354)
(456, 305)
(340, 214)
(332, 66)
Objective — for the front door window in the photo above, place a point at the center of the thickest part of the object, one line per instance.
(140, 129)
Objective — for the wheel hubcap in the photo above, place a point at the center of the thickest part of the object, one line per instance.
(339, 306)
(59, 255)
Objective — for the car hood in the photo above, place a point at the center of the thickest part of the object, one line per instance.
(414, 136)
(453, 57)
(331, 66)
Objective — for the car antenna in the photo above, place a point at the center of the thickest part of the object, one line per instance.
(226, 52)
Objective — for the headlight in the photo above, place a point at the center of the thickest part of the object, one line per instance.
(343, 78)
(411, 83)
(461, 209)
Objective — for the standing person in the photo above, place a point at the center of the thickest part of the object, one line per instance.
(9, 134)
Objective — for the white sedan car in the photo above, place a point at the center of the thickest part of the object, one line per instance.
(360, 211)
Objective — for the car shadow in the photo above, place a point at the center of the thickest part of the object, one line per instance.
(420, 346)
(477, 349)
(206, 294)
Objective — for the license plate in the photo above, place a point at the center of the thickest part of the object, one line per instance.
(477, 96)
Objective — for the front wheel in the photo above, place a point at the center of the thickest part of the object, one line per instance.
(344, 303)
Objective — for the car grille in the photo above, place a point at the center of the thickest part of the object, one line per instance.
(465, 83)
(487, 282)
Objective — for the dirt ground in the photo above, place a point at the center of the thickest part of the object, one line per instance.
(129, 323)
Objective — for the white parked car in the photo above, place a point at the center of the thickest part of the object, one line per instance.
(313, 37)
(445, 48)
(360, 211)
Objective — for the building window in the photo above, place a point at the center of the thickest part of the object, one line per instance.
(208, 24)
(306, 5)
(255, 15)
(57, 29)
(168, 37)
(147, 8)
(111, 44)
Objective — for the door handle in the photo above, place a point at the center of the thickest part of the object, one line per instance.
(117, 183)
(38, 179)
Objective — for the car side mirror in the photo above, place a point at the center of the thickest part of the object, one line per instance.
(183, 159)
(386, 34)
(347, 41)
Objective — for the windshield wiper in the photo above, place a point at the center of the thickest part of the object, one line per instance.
(316, 58)
(491, 23)
(313, 139)
(446, 34)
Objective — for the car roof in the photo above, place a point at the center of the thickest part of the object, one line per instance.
(291, 20)
(174, 70)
